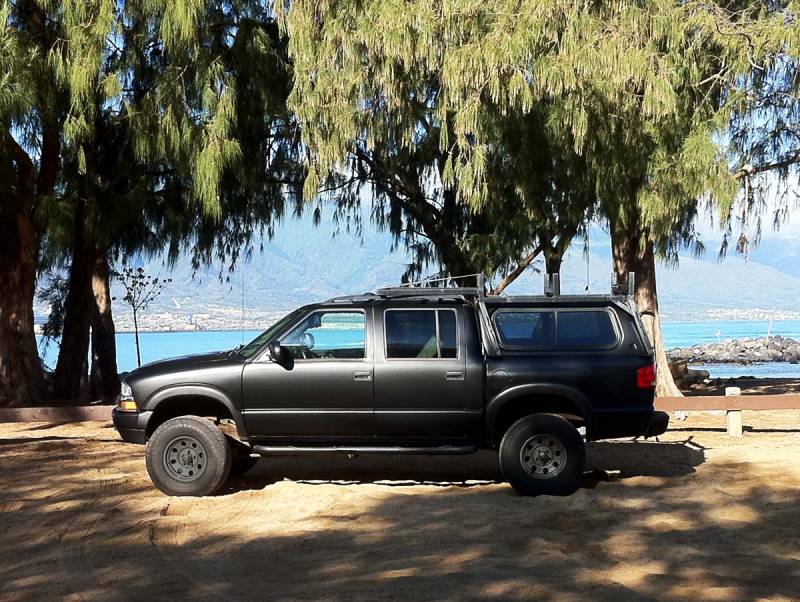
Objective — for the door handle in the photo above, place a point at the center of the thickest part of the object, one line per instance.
(362, 375)
(454, 376)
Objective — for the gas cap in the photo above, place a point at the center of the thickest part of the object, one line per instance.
(501, 379)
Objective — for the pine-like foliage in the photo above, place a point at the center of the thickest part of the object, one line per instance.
(173, 111)
(643, 91)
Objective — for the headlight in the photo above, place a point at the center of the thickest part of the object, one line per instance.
(126, 402)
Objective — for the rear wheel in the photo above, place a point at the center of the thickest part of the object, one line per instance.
(188, 455)
(543, 454)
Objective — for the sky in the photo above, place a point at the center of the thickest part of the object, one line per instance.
(708, 225)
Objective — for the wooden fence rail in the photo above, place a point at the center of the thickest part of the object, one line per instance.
(733, 402)
(56, 414)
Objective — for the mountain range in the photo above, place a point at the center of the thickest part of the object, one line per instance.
(304, 263)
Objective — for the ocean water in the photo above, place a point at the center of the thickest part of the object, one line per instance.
(685, 334)
(160, 345)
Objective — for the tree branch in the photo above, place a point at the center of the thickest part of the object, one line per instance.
(517, 271)
(21, 157)
(788, 160)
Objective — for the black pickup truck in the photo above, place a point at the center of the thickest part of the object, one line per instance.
(404, 370)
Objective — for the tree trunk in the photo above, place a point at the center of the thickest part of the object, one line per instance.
(136, 336)
(21, 378)
(553, 256)
(104, 377)
(647, 302)
(624, 246)
(629, 256)
(74, 350)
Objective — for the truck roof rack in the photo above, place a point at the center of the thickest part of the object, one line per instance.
(445, 288)
(441, 286)
(433, 291)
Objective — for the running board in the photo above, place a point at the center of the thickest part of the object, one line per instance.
(364, 449)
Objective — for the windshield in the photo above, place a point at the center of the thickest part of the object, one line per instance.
(257, 343)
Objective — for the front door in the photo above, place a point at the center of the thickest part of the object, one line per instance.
(326, 391)
(420, 385)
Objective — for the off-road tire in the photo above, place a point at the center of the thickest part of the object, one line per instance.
(543, 454)
(242, 458)
(196, 448)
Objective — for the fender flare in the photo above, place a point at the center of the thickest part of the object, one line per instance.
(502, 399)
(196, 390)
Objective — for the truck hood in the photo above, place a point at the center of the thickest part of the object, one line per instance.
(186, 363)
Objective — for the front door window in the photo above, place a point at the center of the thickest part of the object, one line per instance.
(328, 335)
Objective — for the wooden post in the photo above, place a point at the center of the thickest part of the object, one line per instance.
(734, 416)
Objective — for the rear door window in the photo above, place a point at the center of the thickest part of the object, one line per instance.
(421, 333)
(448, 334)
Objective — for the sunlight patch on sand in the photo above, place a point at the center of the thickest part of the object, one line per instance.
(733, 513)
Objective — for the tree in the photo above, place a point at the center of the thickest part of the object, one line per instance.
(394, 155)
(554, 184)
(31, 112)
(409, 199)
(179, 117)
(141, 290)
(175, 134)
(642, 91)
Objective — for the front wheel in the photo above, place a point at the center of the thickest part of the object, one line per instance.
(188, 455)
(543, 454)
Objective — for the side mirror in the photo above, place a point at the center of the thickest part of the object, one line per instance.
(278, 353)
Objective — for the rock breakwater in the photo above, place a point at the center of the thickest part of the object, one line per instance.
(741, 351)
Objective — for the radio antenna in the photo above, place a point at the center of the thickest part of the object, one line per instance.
(241, 323)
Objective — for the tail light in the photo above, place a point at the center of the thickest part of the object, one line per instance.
(646, 377)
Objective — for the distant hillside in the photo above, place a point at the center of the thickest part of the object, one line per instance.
(783, 254)
(303, 264)
(300, 265)
(695, 287)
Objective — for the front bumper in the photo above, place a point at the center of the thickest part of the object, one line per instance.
(132, 426)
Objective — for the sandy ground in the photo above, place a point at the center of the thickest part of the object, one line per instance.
(699, 515)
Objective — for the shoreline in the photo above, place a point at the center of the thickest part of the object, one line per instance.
(178, 331)
(664, 322)
(750, 385)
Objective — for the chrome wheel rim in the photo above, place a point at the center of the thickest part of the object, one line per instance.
(543, 456)
(185, 459)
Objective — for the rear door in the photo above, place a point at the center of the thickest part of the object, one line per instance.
(421, 389)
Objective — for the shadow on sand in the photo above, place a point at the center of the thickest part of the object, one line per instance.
(605, 461)
(87, 524)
